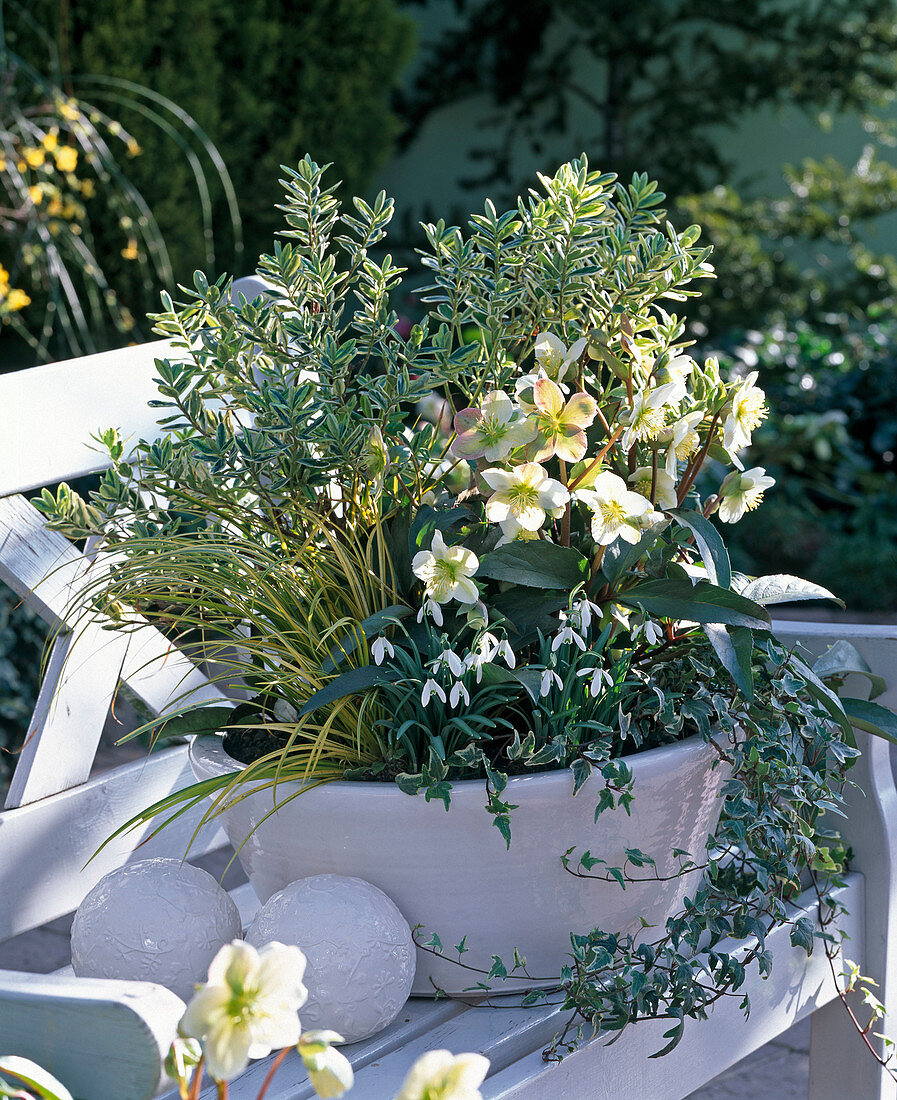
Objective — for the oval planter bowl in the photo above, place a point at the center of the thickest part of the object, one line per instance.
(451, 873)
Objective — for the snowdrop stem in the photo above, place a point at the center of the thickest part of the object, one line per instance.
(274, 1067)
(618, 431)
(197, 1079)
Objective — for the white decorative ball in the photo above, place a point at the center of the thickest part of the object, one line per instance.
(155, 920)
(361, 957)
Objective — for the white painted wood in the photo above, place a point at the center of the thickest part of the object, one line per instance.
(44, 847)
(104, 1040)
(75, 397)
(72, 704)
(46, 571)
(839, 1065)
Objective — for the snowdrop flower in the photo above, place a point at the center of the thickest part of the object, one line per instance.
(646, 417)
(599, 677)
(616, 510)
(493, 430)
(653, 632)
(437, 1075)
(450, 660)
(431, 687)
(567, 633)
(583, 613)
(741, 491)
(432, 609)
(549, 679)
(458, 692)
(560, 426)
(523, 497)
(664, 486)
(553, 356)
(747, 412)
(446, 571)
(380, 648)
(248, 1007)
(329, 1071)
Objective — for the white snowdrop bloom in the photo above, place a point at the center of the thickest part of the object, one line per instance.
(450, 660)
(431, 609)
(664, 486)
(458, 692)
(741, 491)
(431, 688)
(747, 412)
(446, 571)
(653, 632)
(523, 497)
(438, 1075)
(567, 633)
(598, 678)
(616, 510)
(548, 680)
(381, 648)
(248, 1007)
(584, 611)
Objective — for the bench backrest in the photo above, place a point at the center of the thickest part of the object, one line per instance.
(55, 817)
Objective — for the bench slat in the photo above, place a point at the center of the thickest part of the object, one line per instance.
(75, 397)
(44, 846)
(57, 1022)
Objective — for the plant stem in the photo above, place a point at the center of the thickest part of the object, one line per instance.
(274, 1067)
(197, 1079)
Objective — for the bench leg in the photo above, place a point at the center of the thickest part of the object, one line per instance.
(841, 1068)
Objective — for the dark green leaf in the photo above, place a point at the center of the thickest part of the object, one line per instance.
(710, 543)
(734, 646)
(871, 717)
(197, 719)
(370, 627)
(353, 682)
(621, 555)
(701, 603)
(537, 564)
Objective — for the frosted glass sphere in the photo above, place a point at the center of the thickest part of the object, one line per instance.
(361, 957)
(156, 920)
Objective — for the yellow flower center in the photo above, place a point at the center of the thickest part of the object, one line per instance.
(521, 497)
(649, 423)
(750, 409)
(752, 498)
(688, 446)
(612, 512)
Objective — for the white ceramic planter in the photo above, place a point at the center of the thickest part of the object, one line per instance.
(451, 872)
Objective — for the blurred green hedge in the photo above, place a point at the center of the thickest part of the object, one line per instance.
(268, 81)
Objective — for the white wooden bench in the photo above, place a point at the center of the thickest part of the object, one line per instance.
(106, 1040)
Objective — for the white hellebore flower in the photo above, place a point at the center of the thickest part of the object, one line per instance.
(493, 430)
(741, 491)
(683, 440)
(617, 512)
(446, 571)
(248, 1007)
(553, 356)
(330, 1071)
(664, 486)
(523, 497)
(646, 417)
(746, 414)
(437, 1075)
